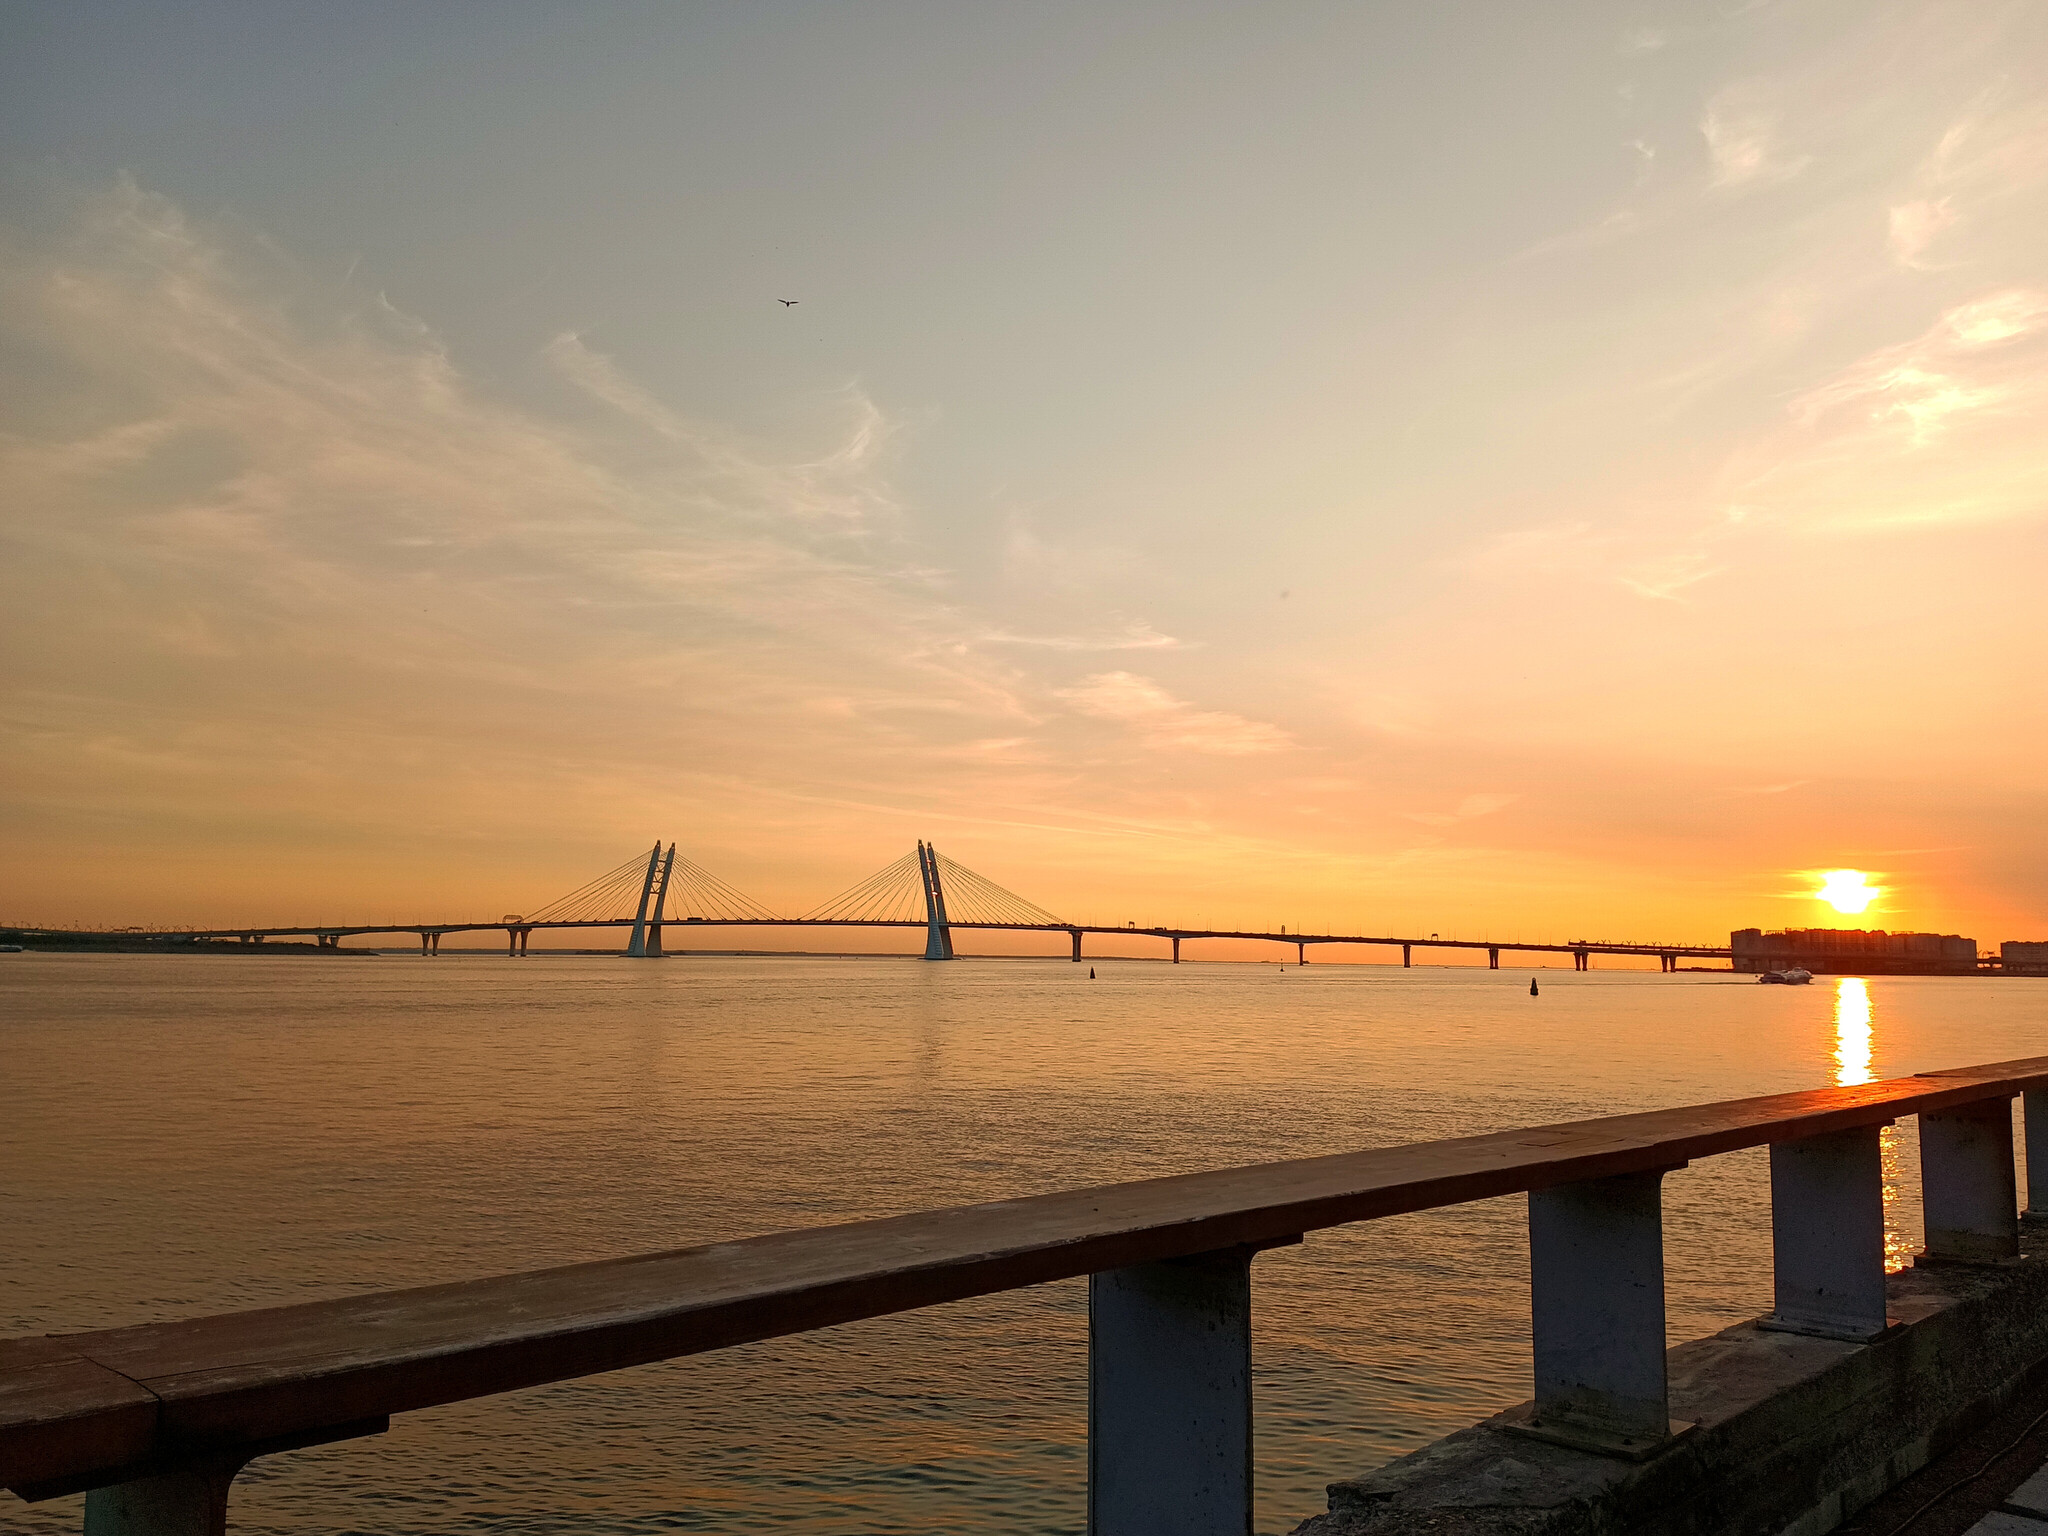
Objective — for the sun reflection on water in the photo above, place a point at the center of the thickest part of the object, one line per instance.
(1852, 1031)
(1855, 1046)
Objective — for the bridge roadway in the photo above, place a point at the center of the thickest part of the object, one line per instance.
(518, 932)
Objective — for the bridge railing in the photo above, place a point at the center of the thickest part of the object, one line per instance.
(157, 1419)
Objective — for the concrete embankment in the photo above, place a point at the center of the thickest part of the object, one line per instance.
(1793, 1435)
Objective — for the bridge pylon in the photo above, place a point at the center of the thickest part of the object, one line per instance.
(636, 947)
(938, 941)
(668, 865)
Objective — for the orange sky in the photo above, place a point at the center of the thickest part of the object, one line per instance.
(1587, 488)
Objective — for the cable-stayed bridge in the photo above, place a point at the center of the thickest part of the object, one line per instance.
(659, 890)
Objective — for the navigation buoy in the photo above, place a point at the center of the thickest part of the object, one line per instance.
(1532, 987)
(1091, 973)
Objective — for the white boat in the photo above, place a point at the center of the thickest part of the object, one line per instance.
(1795, 977)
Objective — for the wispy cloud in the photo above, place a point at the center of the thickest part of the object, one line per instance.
(1646, 158)
(1914, 227)
(842, 486)
(1741, 129)
(1994, 152)
(1588, 237)
(1468, 809)
(1163, 721)
(1133, 637)
(1939, 429)
(1999, 317)
(1923, 386)
(1639, 556)
(303, 531)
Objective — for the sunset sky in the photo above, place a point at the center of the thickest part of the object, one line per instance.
(1522, 471)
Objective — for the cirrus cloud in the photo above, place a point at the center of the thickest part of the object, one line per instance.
(1741, 130)
(1165, 722)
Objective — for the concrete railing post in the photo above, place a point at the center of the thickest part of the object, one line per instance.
(1968, 1190)
(1596, 1284)
(191, 1501)
(1827, 1235)
(1170, 1398)
(2035, 1106)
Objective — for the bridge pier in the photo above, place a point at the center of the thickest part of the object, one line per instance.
(1076, 933)
(1493, 958)
(1404, 955)
(1581, 960)
(1300, 953)
(1176, 947)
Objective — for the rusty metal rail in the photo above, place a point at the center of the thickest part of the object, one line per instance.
(158, 1418)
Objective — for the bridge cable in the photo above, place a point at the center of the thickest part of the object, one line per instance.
(974, 898)
(894, 893)
(613, 896)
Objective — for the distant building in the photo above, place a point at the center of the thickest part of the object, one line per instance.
(2023, 959)
(1859, 952)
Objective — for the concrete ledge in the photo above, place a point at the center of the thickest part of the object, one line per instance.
(1795, 1434)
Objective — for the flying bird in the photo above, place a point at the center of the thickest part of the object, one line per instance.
(789, 301)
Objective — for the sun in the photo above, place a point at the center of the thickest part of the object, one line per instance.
(1847, 890)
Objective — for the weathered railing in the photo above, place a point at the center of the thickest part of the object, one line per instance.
(157, 1419)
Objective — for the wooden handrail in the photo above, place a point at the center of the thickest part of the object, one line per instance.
(86, 1409)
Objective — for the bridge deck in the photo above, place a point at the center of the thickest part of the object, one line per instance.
(1375, 941)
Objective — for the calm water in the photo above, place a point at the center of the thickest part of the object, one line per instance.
(185, 1135)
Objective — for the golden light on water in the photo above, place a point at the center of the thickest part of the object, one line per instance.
(1855, 1050)
(1847, 890)
(1852, 1031)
